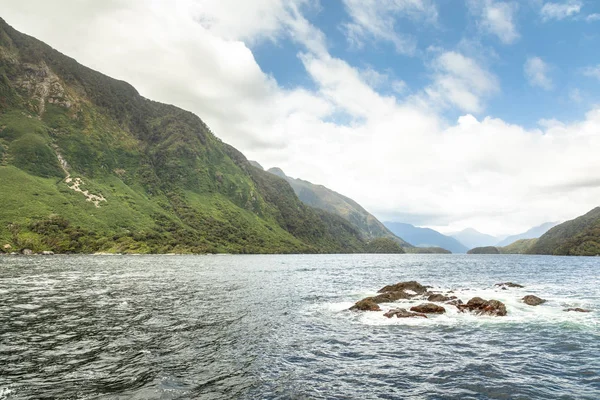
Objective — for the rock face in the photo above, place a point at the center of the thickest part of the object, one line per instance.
(428, 308)
(577, 310)
(404, 286)
(365, 305)
(402, 313)
(479, 306)
(533, 300)
(440, 298)
(509, 284)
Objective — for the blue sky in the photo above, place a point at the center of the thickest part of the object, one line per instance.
(442, 113)
(564, 42)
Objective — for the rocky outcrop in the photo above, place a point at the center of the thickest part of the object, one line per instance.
(428, 308)
(402, 313)
(577, 309)
(509, 284)
(412, 286)
(533, 300)
(440, 298)
(367, 304)
(479, 306)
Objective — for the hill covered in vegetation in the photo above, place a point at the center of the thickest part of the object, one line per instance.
(88, 165)
(578, 237)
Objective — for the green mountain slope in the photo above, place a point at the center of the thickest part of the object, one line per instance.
(521, 246)
(87, 164)
(319, 196)
(578, 237)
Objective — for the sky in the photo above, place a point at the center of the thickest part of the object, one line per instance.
(441, 113)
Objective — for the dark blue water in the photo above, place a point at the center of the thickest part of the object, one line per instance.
(265, 327)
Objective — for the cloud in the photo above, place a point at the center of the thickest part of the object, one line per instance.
(536, 71)
(461, 82)
(396, 156)
(559, 11)
(496, 18)
(592, 72)
(377, 20)
(593, 17)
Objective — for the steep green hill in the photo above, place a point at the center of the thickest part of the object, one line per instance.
(578, 237)
(321, 197)
(87, 164)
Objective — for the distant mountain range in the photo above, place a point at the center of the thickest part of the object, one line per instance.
(473, 238)
(425, 237)
(533, 233)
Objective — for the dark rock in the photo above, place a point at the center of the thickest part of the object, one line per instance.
(428, 308)
(509, 284)
(402, 313)
(27, 252)
(389, 297)
(455, 302)
(438, 297)
(366, 304)
(533, 300)
(480, 306)
(577, 310)
(403, 286)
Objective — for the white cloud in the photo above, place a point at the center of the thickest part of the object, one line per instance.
(536, 71)
(377, 20)
(559, 11)
(461, 82)
(592, 72)
(593, 17)
(496, 18)
(395, 157)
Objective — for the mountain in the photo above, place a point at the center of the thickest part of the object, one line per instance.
(88, 165)
(578, 237)
(320, 197)
(521, 246)
(532, 233)
(473, 238)
(425, 237)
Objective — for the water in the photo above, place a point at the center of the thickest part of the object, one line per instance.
(253, 327)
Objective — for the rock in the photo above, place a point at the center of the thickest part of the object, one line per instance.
(47, 253)
(533, 300)
(391, 296)
(366, 304)
(13, 253)
(428, 308)
(402, 313)
(7, 246)
(480, 306)
(577, 310)
(403, 287)
(509, 284)
(438, 297)
(456, 302)
(27, 252)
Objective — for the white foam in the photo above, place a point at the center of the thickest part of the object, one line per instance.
(4, 393)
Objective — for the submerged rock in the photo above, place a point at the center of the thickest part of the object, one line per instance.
(366, 304)
(428, 308)
(509, 284)
(533, 300)
(480, 306)
(402, 313)
(403, 287)
(577, 309)
(440, 298)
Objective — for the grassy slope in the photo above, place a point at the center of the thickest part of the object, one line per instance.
(170, 184)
